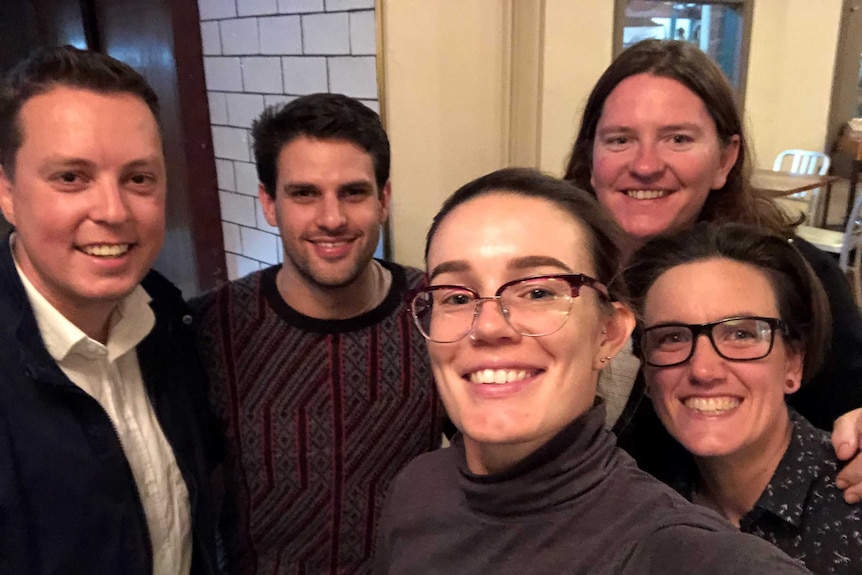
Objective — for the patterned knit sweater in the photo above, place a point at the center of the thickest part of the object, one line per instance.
(319, 416)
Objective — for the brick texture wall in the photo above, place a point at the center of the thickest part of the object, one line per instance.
(263, 52)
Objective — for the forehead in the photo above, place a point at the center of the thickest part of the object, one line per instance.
(306, 157)
(498, 226)
(78, 122)
(710, 289)
(647, 95)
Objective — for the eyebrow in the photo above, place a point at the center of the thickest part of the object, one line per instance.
(520, 263)
(668, 128)
(743, 313)
(55, 161)
(300, 185)
(144, 162)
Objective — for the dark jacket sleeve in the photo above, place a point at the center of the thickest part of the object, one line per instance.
(837, 387)
(15, 552)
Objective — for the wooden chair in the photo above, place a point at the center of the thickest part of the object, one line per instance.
(805, 162)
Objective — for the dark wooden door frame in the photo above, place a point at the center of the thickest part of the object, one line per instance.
(161, 39)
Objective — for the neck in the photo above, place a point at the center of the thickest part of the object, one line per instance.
(96, 325)
(491, 459)
(485, 458)
(630, 245)
(732, 484)
(361, 295)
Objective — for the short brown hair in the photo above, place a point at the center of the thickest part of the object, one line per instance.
(321, 116)
(48, 68)
(800, 298)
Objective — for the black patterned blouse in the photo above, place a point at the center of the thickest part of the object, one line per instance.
(801, 511)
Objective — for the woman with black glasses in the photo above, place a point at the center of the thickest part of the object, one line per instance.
(734, 321)
(524, 308)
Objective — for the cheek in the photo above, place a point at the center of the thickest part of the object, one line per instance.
(602, 171)
(441, 358)
(701, 171)
(293, 220)
(661, 384)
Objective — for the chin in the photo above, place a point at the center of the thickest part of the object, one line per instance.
(710, 447)
(496, 432)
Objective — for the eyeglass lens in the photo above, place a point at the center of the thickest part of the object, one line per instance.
(533, 307)
(734, 339)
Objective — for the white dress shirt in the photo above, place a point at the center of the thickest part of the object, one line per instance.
(111, 374)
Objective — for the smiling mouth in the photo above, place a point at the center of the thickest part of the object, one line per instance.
(106, 250)
(646, 194)
(500, 376)
(711, 405)
(331, 244)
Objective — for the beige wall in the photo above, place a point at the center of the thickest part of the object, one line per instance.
(460, 93)
(443, 69)
(578, 48)
(790, 70)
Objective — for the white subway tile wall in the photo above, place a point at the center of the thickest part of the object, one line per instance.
(239, 37)
(326, 33)
(246, 178)
(210, 38)
(298, 6)
(333, 5)
(225, 175)
(255, 7)
(280, 35)
(260, 53)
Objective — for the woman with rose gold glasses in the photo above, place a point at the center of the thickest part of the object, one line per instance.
(524, 308)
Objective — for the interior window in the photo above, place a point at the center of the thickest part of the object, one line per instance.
(718, 28)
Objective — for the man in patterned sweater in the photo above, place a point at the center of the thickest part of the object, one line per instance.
(322, 385)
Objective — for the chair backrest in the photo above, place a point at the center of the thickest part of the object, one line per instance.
(850, 257)
(802, 162)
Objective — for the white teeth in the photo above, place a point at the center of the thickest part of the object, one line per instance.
(498, 376)
(712, 405)
(646, 194)
(106, 250)
(330, 244)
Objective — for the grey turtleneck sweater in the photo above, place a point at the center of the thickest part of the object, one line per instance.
(576, 505)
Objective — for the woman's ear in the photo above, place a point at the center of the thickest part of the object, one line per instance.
(617, 329)
(729, 155)
(793, 368)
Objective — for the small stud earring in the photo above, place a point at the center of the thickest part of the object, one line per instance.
(606, 358)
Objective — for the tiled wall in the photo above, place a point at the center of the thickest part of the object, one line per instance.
(263, 52)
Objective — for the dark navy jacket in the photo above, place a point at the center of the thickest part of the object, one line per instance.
(68, 500)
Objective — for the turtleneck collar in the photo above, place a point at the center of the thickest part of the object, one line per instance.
(570, 464)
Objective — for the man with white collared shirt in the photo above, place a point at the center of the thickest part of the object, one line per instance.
(105, 434)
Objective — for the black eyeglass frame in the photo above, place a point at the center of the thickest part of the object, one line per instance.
(698, 329)
(575, 281)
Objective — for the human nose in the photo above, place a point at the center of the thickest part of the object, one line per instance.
(705, 364)
(110, 204)
(647, 162)
(331, 214)
(490, 322)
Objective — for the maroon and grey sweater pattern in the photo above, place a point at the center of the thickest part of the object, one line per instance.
(319, 417)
